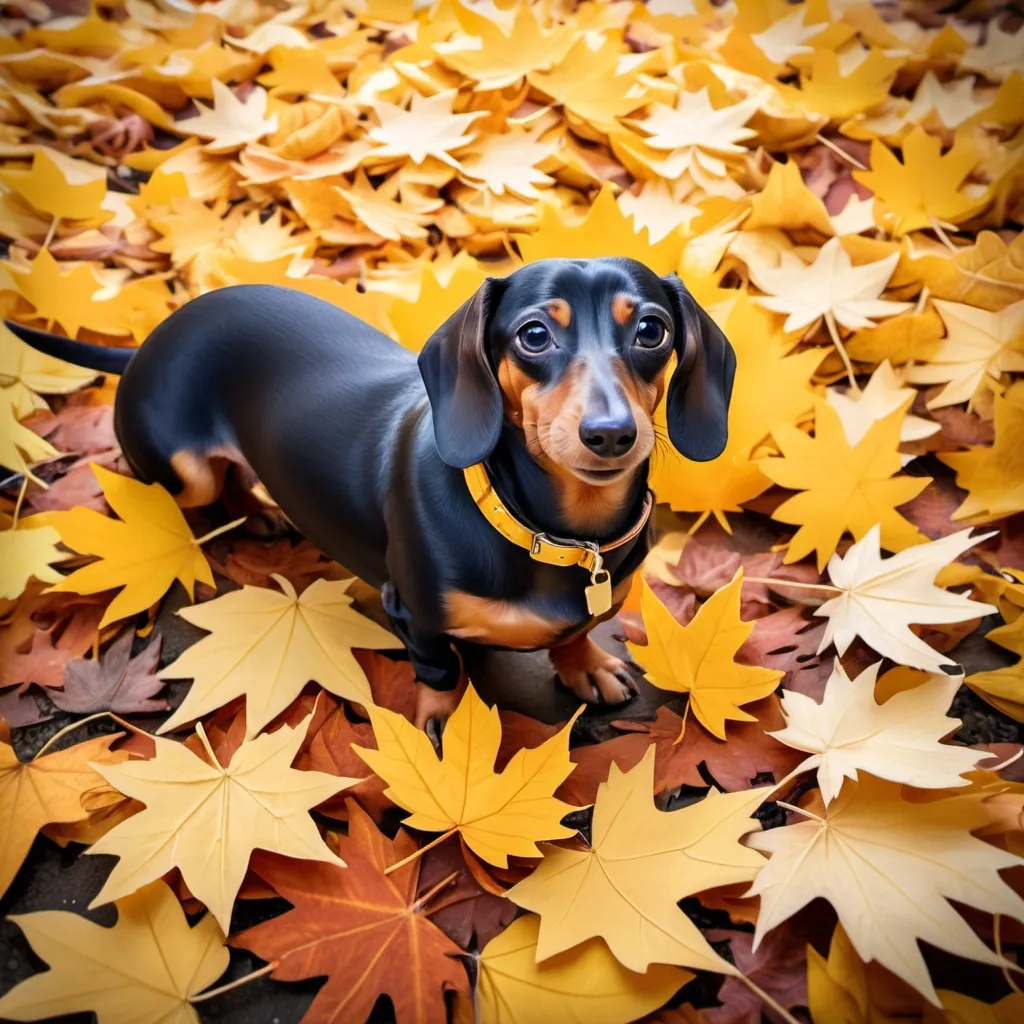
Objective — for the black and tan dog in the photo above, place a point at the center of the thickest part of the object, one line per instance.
(496, 491)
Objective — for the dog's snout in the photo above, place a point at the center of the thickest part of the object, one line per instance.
(608, 436)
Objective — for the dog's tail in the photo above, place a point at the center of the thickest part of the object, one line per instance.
(102, 358)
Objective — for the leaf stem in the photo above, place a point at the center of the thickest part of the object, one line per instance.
(839, 151)
(84, 721)
(237, 983)
(833, 330)
(200, 541)
(21, 498)
(800, 810)
(767, 999)
(1004, 963)
(54, 224)
(423, 849)
(778, 582)
(682, 728)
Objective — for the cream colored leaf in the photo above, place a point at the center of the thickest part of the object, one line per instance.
(428, 128)
(230, 123)
(265, 646)
(142, 970)
(883, 394)
(831, 284)
(880, 597)
(205, 818)
(898, 740)
(888, 866)
(979, 346)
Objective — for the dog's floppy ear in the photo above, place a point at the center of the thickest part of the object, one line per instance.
(465, 400)
(701, 386)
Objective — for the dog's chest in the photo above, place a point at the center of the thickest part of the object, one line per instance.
(552, 610)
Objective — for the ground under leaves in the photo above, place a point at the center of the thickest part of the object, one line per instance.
(814, 811)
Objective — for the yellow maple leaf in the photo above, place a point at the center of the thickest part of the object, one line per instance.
(415, 320)
(887, 866)
(770, 386)
(1003, 688)
(497, 814)
(605, 230)
(624, 887)
(978, 347)
(27, 553)
(299, 71)
(145, 968)
(265, 646)
(844, 487)
(993, 476)
(495, 57)
(61, 186)
(515, 989)
(786, 202)
(142, 553)
(590, 87)
(205, 818)
(700, 658)
(59, 294)
(839, 88)
(926, 188)
(47, 789)
(848, 732)
(287, 272)
(507, 163)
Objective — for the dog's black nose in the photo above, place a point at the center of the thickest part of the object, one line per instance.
(608, 437)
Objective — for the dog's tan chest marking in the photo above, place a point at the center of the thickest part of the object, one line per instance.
(486, 620)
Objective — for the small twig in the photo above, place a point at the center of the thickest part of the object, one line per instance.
(766, 999)
(416, 853)
(833, 330)
(237, 983)
(791, 583)
(200, 541)
(839, 151)
(83, 721)
(431, 893)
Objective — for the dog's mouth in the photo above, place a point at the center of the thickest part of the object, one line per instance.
(601, 476)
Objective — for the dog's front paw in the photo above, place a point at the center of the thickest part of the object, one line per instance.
(434, 708)
(593, 674)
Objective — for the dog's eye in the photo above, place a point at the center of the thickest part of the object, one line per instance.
(534, 336)
(650, 332)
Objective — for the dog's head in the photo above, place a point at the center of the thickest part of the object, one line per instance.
(575, 353)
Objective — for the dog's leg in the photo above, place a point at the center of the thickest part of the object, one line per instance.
(440, 681)
(591, 673)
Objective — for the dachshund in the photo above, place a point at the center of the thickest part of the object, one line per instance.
(477, 485)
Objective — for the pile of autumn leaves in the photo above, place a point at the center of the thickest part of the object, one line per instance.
(835, 189)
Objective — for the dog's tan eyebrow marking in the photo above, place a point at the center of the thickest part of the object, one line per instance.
(622, 307)
(560, 312)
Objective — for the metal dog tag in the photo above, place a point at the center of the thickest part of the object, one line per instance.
(599, 593)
